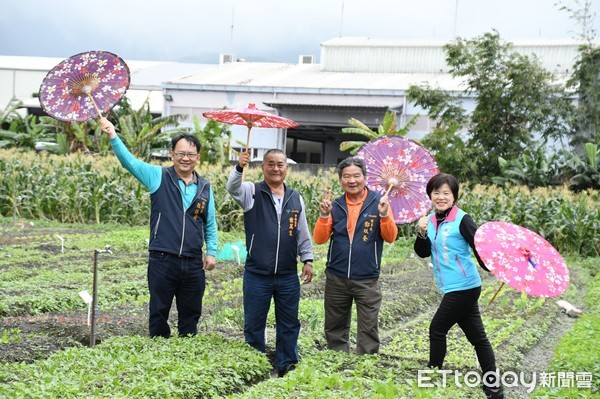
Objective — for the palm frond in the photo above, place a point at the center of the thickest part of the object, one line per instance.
(353, 130)
(352, 146)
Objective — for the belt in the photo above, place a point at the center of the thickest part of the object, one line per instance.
(162, 253)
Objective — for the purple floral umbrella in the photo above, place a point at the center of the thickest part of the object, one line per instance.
(84, 86)
(400, 168)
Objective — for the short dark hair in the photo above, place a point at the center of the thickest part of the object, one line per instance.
(439, 180)
(356, 161)
(274, 151)
(190, 139)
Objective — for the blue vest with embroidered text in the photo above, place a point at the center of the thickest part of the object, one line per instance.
(453, 265)
(360, 259)
(272, 244)
(173, 229)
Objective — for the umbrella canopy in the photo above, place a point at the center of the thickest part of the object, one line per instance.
(249, 117)
(401, 168)
(522, 259)
(84, 86)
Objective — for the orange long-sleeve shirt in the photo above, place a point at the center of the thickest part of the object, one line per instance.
(323, 227)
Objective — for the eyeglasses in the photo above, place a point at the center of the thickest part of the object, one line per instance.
(181, 155)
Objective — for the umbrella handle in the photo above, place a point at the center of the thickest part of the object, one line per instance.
(497, 291)
(95, 106)
(247, 145)
(389, 188)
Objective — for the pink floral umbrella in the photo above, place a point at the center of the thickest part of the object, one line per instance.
(400, 168)
(84, 86)
(522, 259)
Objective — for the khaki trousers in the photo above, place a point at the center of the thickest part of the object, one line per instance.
(339, 294)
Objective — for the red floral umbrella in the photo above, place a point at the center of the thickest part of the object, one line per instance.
(522, 259)
(249, 117)
(400, 168)
(84, 86)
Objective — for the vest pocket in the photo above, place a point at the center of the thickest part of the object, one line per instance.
(462, 269)
(156, 225)
(250, 247)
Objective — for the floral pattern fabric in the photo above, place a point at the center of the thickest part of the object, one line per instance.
(70, 90)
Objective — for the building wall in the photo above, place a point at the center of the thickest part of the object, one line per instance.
(20, 84)
(394, 56)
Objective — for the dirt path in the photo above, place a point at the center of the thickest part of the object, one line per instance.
(540, 355)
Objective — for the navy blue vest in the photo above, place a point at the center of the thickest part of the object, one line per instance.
(361, 259)
(173, 229)
(272, 244)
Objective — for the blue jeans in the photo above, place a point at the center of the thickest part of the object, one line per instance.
(285, 291)
(170, 276)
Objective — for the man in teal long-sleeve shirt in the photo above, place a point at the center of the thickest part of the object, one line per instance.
(182, 219)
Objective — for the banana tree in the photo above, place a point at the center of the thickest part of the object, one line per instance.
(585, 170)
(141, 131)
(387, 128)
(215, 138)
(17, 130)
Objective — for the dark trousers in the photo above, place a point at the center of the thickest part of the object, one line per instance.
(462, 308)
(170, 276)
(339, 294)
(285, 291)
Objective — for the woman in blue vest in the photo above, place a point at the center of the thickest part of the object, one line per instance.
(448, 237)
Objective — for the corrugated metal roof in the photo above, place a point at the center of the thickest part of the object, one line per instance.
(351, 65)
(306, 78)
(154, 75)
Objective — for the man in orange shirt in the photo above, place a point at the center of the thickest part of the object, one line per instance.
(357, 223)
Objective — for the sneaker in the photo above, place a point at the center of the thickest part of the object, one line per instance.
(286, 369)
(493, 393)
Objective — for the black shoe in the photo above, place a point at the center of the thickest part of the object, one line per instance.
(286, 369)
(493, 393)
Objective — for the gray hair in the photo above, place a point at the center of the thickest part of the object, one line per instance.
(356, 161)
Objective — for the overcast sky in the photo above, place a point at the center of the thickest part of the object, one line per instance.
(262, 30)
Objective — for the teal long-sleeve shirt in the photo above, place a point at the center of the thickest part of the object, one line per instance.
(151, 175)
